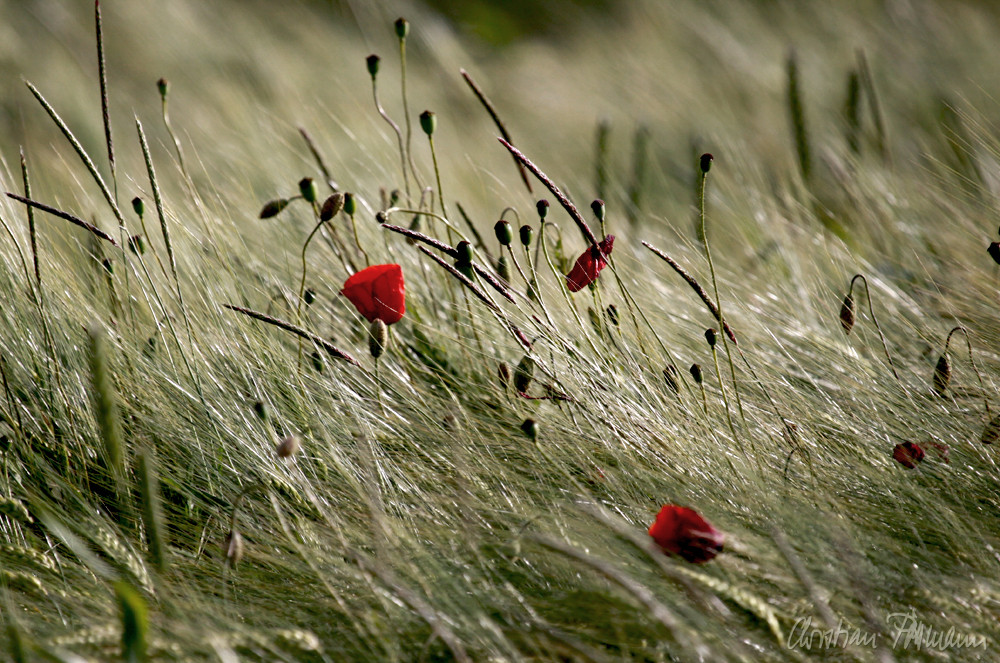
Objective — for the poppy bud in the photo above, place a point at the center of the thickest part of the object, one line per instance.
(402, 27)
(670, 377)
(232, 547)
(372, 62)
(682, 531)
(394, 197)
(523, 374)
(350, 205)
(994, 251)
(163, 85)
(307, 187)
(464, 252)
(597, 207)
(711, 336)
(260, 409)
(139, 206)
(696, 373)
(706, 162)
(378, 337)
(288, 447)
(503, 372)
(381, 217)
(942, 374)
(613, 314)
(109, 266)
(543, 208)
(992, 431)
(428, 122)
(137, 244)
(503, 268)
(317, 362)
(504, 233)
(273, 208)
(331, 207)
(530, 428)
(847, 315)
(416, 225)
(309, 296)
(526, 234)
(908, 454)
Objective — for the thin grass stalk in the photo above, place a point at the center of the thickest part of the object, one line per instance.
(320, 162)
(979, 376)
(298, 331)
(878, 327)
(797, 117)
(488, 105)
(103, 76)
(406, 111)
(603, 135)
(875, 108)
(399, 137)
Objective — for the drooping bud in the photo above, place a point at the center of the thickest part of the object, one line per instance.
(994, 251)
(373, 61)
(394, 197)
(696, 373)
(378, 338)
(706, 162)
(942, 375)
(402, 27)
(504, 233)
(711, 336)
(524, 373)
(526, 234)
(317, 362)
(309, 296)
(428, 122)
(503, 372)
(597, 207)
(465, 252)
(530, 428)
(232, 547)
(288, 447)
(307, 187)
(137, 244)
(260, 409)
(331, 207)
(163, 85)
(350, 205)
(273, 208)
(543, 208)
(139, 206)
(847, 315)
(109, 266)
(381, 217)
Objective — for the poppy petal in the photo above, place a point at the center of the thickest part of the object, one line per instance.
(683, 532)
(378, 293)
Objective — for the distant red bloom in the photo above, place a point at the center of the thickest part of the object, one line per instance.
(908, 454)
(377, 293)
(589, 265)
(681, 531)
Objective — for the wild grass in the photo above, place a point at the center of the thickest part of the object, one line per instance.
(175, 484)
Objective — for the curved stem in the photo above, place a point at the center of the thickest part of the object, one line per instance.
(968, 344)
(871, 312)
(399, 137)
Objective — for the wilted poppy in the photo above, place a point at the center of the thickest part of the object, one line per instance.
(681, 531)
(908, 454)
(377, 293)
(589, 265)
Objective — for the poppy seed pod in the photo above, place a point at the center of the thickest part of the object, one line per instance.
(696, 373)
(378, 292)
(711, 336)
(331, 207)
(163, 85)
(232, 547)
(543, 208)
(908, 454)
(523, 374)
(307, 187)
(683, 532)
(526, 234)
(503, 372)
(994, 250)
(942, 375)
(706, 162)
(504, 233)
(350, 204)
(428, 122)
(597, 207)
(378, 338)
(847, 315)
(139, 206)
(273, 208)
(402, 27)
(381, 217)
(372, 61)
(288, 447)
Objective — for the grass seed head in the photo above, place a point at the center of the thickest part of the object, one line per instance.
(273, 208)
(378, 337)
(332, 206)
(942, 374)
(847, 314)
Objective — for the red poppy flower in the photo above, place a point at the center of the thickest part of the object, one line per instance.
(681, 531)
(377, 293)
(908, 454)
(589, 265)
